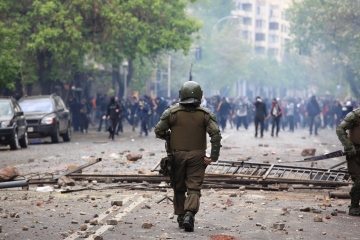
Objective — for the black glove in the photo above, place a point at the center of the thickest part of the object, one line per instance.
(350, 152)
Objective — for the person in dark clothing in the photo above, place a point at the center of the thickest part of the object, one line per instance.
(133, 117)
(276, 114)
(337, 112)
(75, 107)
(260, 115)
(84, 116)
(103, 112)
(224, 111)
(119, 125)
(161, 107)
(312, 111)
(241, 114)
(113, 111)
(142, 112)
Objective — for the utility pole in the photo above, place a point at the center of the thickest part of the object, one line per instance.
(169, 77)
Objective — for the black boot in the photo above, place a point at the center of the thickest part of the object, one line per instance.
(189, 222)
(180, 220)
(354, 209)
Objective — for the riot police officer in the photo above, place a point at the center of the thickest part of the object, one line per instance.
(351, 144)
(189, 123)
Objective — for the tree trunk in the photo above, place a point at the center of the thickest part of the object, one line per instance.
(350, 77)
(117, 79)
(44, 71)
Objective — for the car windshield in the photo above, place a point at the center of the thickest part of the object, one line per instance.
(5, 109)
(37, 105)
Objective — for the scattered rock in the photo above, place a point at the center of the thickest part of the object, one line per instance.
(74, 222)
(116, 203)
(305, 209)
(83, 227)
(242, 188)
(323, 233)
(94, 222)
(25, 228)
(144, 171)
(265, 154)
(141, 149)
(97, 237)
(279, 226)
(165, 236)
(146, 225)
(66, 181)
(334, 213)
(8, 173)
(266, 145)
(0, 228)
(308, 152)
(318, 219)
(133, 156)
(232, 195)
(31, 160)
(112, 222)
(151, 154)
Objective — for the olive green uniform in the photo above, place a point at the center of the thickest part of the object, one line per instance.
(189, 125)
(351, 144)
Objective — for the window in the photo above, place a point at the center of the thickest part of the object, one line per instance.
(273, 38)
(273, 26)
(246, 34)
(273, 51)
(260, 50)
(259, 37)
(247, 7)
(287, 40)
(274, 12)
(247, 21)
(260, 24)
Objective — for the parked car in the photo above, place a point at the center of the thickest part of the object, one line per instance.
(47, 116)
(12, 124)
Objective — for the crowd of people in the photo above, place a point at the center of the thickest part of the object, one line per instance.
(274, 115)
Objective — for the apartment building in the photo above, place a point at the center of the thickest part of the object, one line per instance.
(263, 23)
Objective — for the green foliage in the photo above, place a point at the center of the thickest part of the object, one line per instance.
(329, 28)
(9, 62)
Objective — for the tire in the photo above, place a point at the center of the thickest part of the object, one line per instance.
(14, 142)
(24, 142)
(67, 136)
(55, 136)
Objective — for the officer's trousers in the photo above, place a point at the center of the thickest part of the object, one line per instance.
(189, 176)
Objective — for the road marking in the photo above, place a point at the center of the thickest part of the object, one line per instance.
(118, 217)
(99, 218)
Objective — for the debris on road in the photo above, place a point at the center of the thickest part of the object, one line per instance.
(133, 156)
(308, 152)
(8, 173)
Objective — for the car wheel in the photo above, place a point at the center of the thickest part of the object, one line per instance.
(14, 142)
(67, 135)
(55, 136)
(24, 141)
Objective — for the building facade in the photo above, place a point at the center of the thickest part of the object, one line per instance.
(263, 23)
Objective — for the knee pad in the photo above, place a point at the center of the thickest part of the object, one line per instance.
(196, 192)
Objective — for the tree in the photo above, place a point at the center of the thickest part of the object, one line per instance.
(331, 27)
(9, 61)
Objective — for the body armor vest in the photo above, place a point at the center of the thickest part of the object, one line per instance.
(354, 132)
(188, 132)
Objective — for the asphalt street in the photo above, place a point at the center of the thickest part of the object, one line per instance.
(236, 213)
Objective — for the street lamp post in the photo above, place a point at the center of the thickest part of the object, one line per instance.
(222, 19)
(125, 64)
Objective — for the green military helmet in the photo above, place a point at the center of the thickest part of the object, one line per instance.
(191, 90)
